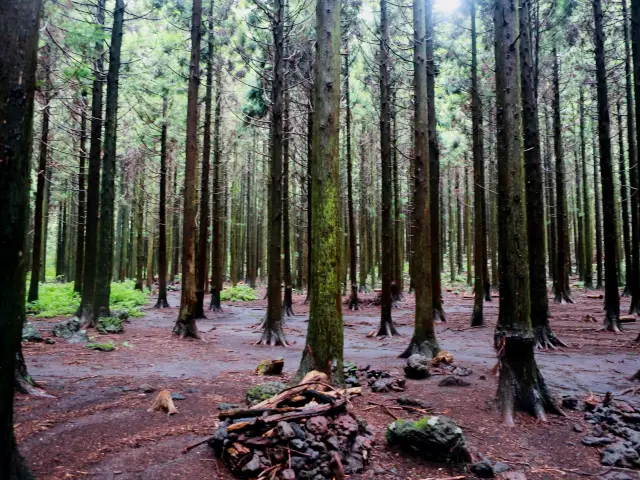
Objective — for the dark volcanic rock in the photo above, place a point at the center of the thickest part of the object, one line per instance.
(417, 367)
(482, 469)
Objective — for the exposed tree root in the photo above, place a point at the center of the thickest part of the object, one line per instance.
(626, 292)
(634, 308)
(396, 294)
(439, 315)
(487, 293)
(545, 339)
(477, 318)
(562, 298)
(215, 306)
(308, 299)
(521, 385)
(637, 338)
(18, 469)
(428, 348)
(86, 316)
(273, 336)
(287, 305)
(611, 323)
(162, 303)
(187, 328)
(198, 310)
(24, 383)
(387, 329)
(354, 303)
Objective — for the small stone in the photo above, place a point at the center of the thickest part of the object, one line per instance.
(224, 406)
(253, 466)
(284, 431)
(297, 463)
(346, 424)
(353, 463)
(500, 467)
(288, 474)
(596, 441)
(482, 469)
(452, 381)
(482, 377)
(49, 341)
(299, 445)
(334, 443)
(570, 403)
(379, 471)
(417, 367)
(177, 396)
(299, 431)
(146, 388)
(258, 393)
(102, 347)
(192, 390)
(461, 371)
(317, 425)
(577, 428)
(620, 455)
(352, 382)
(67, 328)
(30, 333)
(79, 337)
(318, 447)
(412, 402)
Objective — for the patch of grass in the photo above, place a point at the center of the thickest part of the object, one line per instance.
(59, 299)
(239, 293)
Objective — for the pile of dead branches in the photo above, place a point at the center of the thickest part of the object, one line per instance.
(304, 432)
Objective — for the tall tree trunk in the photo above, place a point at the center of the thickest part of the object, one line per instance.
(467, 224)
(479, 201)
(353, 248)
(632, 117)
(37, 257)
(139, 223)
(82, 193)
(520, 384)
(398, 262)
(104, 267)
(217, 215)
(611, 294)
(598, 207)
(551, 202)
(162, 224)
(434, 170)
(458, 221)
(202, 269)
(19, 27)
(387, 328)
(586, 204)
(286, 223)
(424, 335)
(151, 237)
(325, 337)
(364, 241)
(544, 337)
(273, 333)
(121, 229)
(85, 310)
(624, 200)
(186, 324)
(563, 256)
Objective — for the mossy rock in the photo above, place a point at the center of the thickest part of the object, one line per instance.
(103, 347)
(121, 314)
(67, 328)
(110, 325)
(434, 438)
(30, 333)
(258, 393)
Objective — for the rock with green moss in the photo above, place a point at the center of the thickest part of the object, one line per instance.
(121, 314)
(67, 328)
(435, 438)
(110, 325)
(103, 347)
(30, 333)
(258, 393)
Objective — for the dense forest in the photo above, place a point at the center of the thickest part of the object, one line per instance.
(386, 161)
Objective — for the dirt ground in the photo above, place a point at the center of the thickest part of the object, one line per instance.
(97, 426)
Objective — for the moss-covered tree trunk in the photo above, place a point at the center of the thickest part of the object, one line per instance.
(325, 337)
(19, 27)
(186, 324)
(424, 336)
(479, 201)
(544, 337)
(520, 384)
(611, 294)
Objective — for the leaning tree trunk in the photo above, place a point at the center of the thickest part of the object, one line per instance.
(520, 384)
(544, 337)
(387, 328)
(424, 335)
(162, 224)
(611, 294)
(273, 333)
(19, 27)
(325, 336)
(479, 202)
(85, 310)
(104, 267)
(203, 238)
(186, 324)
(563, 257)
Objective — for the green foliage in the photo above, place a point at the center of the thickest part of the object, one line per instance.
(59, 299)
(103, 347)
(256, 107)
(110, 325)
(239, 293)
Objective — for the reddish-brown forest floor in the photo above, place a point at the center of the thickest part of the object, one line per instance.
(97, 428)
